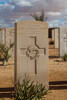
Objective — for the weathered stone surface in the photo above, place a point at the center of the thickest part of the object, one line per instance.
(2, 36)
(57, 38)
(32, 50)
(53, 34)
(63, 41)
(9, 38)
(9, 35)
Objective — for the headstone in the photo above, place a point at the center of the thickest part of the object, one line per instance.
(53, 35)
(9, 36)
(2, 36)
(32, 51)
(63, 41)
(56, 38)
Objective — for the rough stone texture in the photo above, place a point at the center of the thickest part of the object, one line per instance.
(57, 38)
(2, 36)
(10, 33)
(63, 40)
(53, 35)
(32, 51)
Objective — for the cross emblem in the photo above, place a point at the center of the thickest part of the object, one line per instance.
(33, 52)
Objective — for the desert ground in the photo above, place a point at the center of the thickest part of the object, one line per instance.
(57, 77)
(57, 72)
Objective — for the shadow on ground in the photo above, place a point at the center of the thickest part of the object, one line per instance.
(7, 92)
(58, 85)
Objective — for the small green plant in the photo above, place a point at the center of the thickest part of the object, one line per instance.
(28, 90)
(65, 57)
(4, 52)
(51, 42)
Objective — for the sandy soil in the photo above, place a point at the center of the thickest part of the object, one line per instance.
(57, 72)
(7, 75)
(6, 80)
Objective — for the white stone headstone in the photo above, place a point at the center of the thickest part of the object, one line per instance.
(32, 51)
(57, 38)
(2, 36)
(53, 35)
(63, 41)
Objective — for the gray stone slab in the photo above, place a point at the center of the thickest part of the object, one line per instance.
(32, 51)
(63, 41)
